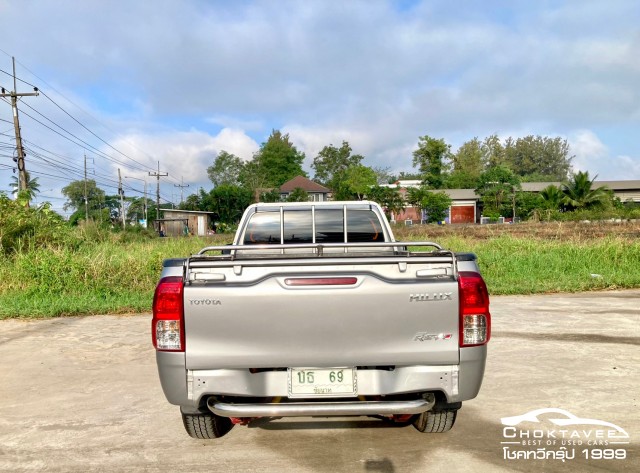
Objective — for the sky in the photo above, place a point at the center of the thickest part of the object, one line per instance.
(130, 83)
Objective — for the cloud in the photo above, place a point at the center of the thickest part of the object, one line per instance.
(377, 74)
(186, 155)
(592, 155)
(228, 121)
(374, 143)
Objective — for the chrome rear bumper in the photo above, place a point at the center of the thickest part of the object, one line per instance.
(310, 409)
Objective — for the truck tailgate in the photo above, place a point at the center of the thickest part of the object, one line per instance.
(355, 316)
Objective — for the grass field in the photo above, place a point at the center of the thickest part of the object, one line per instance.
(113, 276)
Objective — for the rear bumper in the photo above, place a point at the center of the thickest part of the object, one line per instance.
(310, 409)
(190, 388)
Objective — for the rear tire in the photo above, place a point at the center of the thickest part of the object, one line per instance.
(436, 421)
(206, 426)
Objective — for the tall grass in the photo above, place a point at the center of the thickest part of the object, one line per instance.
(109, 276)
(527, 266)
(116, 273)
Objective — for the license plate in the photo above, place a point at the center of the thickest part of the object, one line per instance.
(322, 382)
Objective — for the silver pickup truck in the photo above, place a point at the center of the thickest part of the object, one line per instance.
(315, 310)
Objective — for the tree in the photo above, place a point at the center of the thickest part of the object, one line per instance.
(135, 208)
(331, 167)
(111, 208)
(298, 195)
(527, 203)
(415, 196)
(96, 201)
(389, 199)
(194, 201)
(272, 195)
(278, 160)
(431, 159)
(226, 169)
(497, 189)
(469, 159)
(32, 186)
(359, 179)
(229, 202)
(383, 175)
(407, 176)
(253, 178)
(551, 197)
(435, 205)
(460, 180)
(579, 192)
(545, 158)
(493, 152)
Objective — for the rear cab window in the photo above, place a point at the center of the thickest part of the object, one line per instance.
(291, 226)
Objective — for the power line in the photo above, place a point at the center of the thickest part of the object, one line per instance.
(144, 166)
(91, 149)
(72, 103)
(56, 164)
(80, 123)
(61, 164)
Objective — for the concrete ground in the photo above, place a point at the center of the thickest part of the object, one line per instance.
(82, 394)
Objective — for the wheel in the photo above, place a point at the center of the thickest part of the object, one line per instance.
(436, 421)
(206, 426)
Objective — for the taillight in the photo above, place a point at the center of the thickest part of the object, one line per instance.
(167, 326)
(475, 319)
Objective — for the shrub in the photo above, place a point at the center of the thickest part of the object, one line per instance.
(22, 228)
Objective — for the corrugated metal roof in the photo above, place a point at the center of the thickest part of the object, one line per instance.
(187, 211)
(461, 194)
(613, 185)
(538, 186)
(619, 185)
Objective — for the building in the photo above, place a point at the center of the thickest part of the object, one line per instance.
(466, 206)
(186, 222)
(317, 193)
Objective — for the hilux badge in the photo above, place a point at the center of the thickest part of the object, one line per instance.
(429, 297)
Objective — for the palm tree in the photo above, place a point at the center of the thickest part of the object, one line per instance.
(32, 185)
(552, 197)
(579, 194)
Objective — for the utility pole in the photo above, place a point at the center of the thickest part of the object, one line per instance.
(182, 185)
(86, 192)
(121, 192)
(86, 200)
(22, 179)
(146, 220)
(158, 175)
